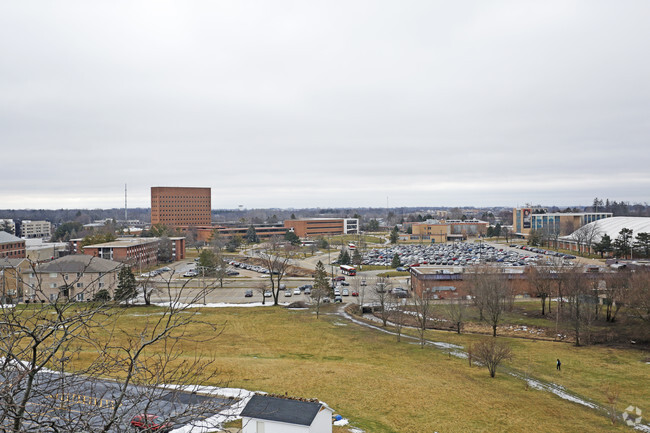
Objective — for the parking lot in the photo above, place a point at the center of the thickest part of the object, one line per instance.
(461, 254)
(62, 401)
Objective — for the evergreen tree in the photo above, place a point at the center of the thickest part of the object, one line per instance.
(126, 285)
(207, 261)
(356, 258)
(292, 237)
(623, 243)
(344, 257)
(394, 235)
(321, 286)
(642, 244)
(251, 235)
(604, 246)
(396, 262)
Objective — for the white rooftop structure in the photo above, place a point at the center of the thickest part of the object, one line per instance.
(612, 227)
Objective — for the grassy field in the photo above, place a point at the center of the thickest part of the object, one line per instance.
(382, 385)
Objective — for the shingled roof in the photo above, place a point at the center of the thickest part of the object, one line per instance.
(8, 237)
(282, 409)
(79, 263)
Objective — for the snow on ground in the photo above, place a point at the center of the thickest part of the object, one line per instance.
(217, 305)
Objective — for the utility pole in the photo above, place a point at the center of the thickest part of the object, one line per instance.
(125, 208)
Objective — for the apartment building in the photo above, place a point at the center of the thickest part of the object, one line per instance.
(75, 277)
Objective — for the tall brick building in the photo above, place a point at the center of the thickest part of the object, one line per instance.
(179, 206)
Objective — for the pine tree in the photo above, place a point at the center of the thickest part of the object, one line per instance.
(126, 285)
(251, 235)
(396, 263)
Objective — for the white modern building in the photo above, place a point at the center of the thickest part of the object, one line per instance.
(35, 229)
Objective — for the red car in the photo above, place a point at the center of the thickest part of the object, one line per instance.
(338, 279)
(355, 293)
(150, 423)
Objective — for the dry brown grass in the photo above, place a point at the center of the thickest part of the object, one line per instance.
(385, 386)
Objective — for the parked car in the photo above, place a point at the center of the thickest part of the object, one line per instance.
(248, 293)
(232, 273)
(339, 278)
(363, 283)
(287, 293)
(267, 294)
(151, 423)
(338, 299)
(165, 269)
(345, 292)
(344, 283)
(307, 291)
(297, 291)
(337, 292)
(191, 273)
(401, 269)
(355, 293)
(325, 300)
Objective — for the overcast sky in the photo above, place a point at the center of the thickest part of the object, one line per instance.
(325, 103)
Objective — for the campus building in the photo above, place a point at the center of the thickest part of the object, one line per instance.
(181, 206)
(35, 229)
(134, 251)
(315, 227)
(11, 246)
(447, 230)
(585, 239)
(525, 220)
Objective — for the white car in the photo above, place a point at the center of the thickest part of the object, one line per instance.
(297, 291)
(267, 294)
(287, 293)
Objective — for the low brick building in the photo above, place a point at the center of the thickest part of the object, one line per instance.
(135, 251)
(11, 246)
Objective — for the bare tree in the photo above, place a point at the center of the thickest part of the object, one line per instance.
(582, 301)
(491, 353)
(277, 257)
(542, 280)
(639, 295)
(423, 307)
(617, 288)
(70, 366)
(381, 291)
(491, 294)
(398, 315)
(456, 311)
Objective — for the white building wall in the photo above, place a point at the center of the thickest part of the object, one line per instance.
(322, 422)
(350, 225)
(250, 426)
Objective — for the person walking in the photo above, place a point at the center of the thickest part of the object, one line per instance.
(559, 365)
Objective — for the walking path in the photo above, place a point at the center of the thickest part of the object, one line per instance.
(537, 384)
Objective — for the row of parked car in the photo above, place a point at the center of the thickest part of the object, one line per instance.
(248, 266)
(543, 251)
(156, 272)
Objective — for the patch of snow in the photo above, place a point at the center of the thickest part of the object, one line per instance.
(341, 422)
(217, 305)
